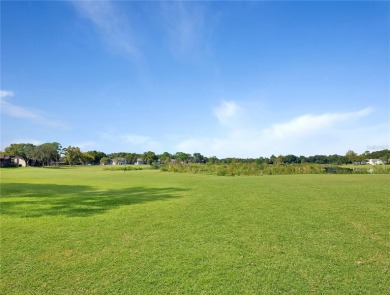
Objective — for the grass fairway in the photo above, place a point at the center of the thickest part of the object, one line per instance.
(86, 230)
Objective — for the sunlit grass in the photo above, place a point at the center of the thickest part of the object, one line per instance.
(86, 230)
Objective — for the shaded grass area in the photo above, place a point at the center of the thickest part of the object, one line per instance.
(36, 200)
(72, 231)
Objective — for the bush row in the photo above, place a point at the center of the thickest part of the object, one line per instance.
(252, 169)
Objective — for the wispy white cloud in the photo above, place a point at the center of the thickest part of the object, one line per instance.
(112, 25)
(307, 134)
(6, 93)
(308, 124)
(226, 111)
(32, 115)
(131, 141)
(138, 139)
(185, 23)
(20, 112)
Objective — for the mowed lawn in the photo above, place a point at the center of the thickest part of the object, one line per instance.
(85, 230)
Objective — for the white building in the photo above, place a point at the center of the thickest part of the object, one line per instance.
(19, 161)
(139, 162)
(119, 161)
(375, 162)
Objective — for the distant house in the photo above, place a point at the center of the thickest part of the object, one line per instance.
(9, 161)
(119, 161)
(139, 162)
(18, 161)
(5, 161)
(375, 162)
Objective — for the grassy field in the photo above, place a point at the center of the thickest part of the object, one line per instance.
(86, 230)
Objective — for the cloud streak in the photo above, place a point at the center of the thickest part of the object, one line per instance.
(135, 141)
(35, 116)
(139, 140)
(187, 30)
(5, 93)
(112, 25)
(308, 124)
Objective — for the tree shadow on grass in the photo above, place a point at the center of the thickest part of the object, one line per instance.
(36, 200)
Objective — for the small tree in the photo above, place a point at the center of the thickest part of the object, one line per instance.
(104, 160)
(213, 160)
(86, 158)
(279, 160)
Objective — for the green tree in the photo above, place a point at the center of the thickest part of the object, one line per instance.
(149, 157)
(166, 157)
(198, 158)
(47, 153)
(279, 160)
(104, 160)
(59, 149)
(26, 151)
(96, 156)
(351, 156)
(213, 160)
(182, 157)
(131, 158)
(72, 155)
(290, 159)
(86, 158)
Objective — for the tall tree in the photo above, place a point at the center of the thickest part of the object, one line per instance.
(149, 157)
(86, 158)
(131, 158)
(182, 157)
(351, 156)
(198, 158)
(96, 156)
(47, 152)
(25, 151)
(290, 159)
(72, 155)
(165, 157)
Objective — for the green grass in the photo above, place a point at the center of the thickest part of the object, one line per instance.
(85, 230)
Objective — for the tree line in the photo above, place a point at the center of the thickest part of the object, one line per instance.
(53, 153)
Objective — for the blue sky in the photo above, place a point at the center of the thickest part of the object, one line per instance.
(230, 79)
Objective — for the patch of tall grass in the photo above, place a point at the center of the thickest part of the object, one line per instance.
(125, 168)
(253, 169)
